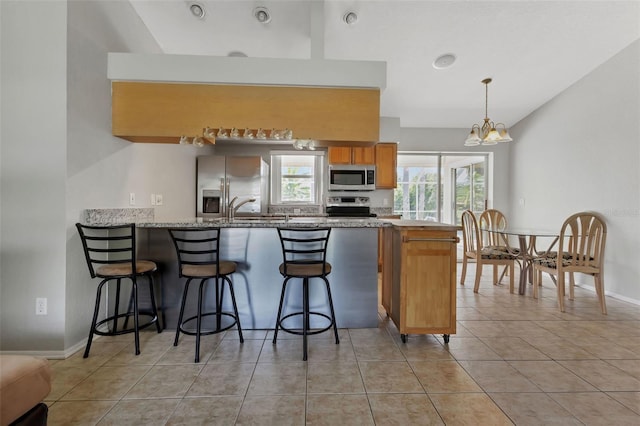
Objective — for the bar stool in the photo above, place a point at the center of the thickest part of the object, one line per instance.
(198, 252)
(110, 252)
(304, 253)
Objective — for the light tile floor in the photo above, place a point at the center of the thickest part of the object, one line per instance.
(513, 360)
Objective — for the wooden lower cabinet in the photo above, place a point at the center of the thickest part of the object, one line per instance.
(421, 297)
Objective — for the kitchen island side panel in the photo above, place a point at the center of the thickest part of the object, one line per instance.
(352, 252)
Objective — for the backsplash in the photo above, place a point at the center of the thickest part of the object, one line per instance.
(382, 211)
(119, 215)
(295, 210)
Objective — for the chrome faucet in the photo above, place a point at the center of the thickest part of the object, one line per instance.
(231, 209)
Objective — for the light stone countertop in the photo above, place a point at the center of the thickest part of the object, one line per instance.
(268, 222)
(144, 218)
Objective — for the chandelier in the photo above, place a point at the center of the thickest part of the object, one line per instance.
(488, 133)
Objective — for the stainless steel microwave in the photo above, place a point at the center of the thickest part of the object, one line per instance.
(353, 177)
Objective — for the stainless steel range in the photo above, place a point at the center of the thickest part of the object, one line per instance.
(356, 206)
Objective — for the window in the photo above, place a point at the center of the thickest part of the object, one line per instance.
(440, 187)
(296, 178)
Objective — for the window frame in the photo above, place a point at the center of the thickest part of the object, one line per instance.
(276, 177)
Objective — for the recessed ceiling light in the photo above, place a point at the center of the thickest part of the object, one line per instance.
(197, 10)
(444, 61)
(262, 14)
(350, 18)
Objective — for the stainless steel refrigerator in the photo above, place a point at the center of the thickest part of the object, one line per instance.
(221, 179)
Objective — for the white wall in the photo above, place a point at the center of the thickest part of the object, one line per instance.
(580, 151)
(33, 173)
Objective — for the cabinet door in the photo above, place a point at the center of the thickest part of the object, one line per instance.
(366, 155)
(339, 155)
(428, 280)
(386, 165)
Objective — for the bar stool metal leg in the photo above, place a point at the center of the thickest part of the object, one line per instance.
(116, 307)
(183, 303)
(305, 316)
(235, 308)
(333, 314)
(154, 308)
(199, 319)
(136, 330)
(279, 317)
(94, 321)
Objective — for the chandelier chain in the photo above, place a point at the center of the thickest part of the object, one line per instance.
(486, 100)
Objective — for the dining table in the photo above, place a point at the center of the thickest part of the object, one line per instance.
(526, 249)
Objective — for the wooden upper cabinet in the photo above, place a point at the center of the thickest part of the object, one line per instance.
(339, 155)
(364, 155)
(386, 156)
(162, 112)
(351, 155)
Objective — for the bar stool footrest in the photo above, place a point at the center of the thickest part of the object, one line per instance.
(310, 331)
(207, 332)
(153, 320)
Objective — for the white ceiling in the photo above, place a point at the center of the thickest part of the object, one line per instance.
(533, 50)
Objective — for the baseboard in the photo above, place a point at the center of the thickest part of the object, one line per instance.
(64, 354)
(592, 289)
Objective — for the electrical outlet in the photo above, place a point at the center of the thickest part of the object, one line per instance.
(132, 198)
(159, 199)
(385, 202)
(296, 211)
(153, 199)
(41, 306)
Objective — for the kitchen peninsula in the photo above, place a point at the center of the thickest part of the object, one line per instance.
(252, 242)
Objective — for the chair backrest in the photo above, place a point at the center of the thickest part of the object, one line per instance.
(494, 220)
(582, 240)
(200, 246)
(470, 233)
(108, 245)
(304, 246)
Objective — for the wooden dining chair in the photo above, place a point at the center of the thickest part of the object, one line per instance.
(492, 219)
(580, 249)
(495, 220)
(483, 256)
